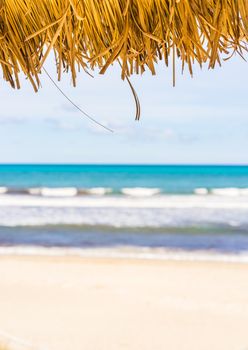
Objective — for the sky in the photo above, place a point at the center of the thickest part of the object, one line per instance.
(203, 120)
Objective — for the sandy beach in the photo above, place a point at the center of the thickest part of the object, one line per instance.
(61, 303)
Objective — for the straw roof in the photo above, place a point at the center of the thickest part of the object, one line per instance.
(95, 33)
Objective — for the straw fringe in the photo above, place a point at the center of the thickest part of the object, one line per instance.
(91, 33)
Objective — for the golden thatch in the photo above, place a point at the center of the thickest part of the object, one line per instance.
(137, 33)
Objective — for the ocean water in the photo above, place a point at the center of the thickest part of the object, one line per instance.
(160, 208)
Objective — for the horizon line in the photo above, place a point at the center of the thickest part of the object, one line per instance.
(123, 164)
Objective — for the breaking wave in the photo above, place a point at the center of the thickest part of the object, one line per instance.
(73, 191)
(142, 192)
(228, 192)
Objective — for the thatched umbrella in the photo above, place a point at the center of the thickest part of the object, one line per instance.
(137, 33)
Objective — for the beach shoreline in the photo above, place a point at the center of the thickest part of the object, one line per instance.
(63, 302)
(126, 253)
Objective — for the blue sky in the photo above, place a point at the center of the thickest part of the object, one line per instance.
(201, 120)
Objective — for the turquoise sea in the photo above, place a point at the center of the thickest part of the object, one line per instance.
(176, 208)
(168, 178)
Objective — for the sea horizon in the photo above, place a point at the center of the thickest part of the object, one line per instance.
(126, 164)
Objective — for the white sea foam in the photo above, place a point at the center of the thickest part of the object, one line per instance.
(127, 253)
(3, 190)
(99, 191)
(227, 191)
(140, 191)
(63, 206)
(201, 191)
(137, 192)
(35, 191)
(57, 192)
(231, 191)
(53, 192)
(124, 211)
(54, 199)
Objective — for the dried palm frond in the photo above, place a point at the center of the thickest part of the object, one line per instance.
(93, 33)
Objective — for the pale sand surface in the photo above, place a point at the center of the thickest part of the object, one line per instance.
(60, 303)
